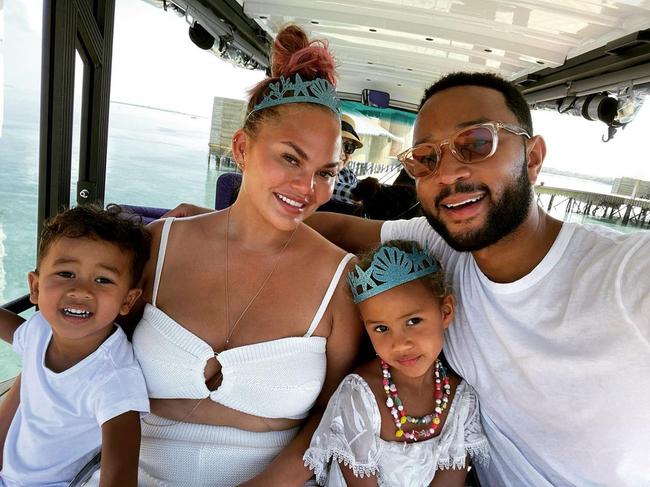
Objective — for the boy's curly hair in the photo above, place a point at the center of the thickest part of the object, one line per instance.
(109, 225)
(434, 281)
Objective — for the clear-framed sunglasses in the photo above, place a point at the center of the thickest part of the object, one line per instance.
(470, 144)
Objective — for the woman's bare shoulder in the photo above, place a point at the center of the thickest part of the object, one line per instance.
(320, 244)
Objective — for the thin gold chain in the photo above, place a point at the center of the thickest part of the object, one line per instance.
(231, 330)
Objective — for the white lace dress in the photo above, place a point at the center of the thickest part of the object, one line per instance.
(349, 434)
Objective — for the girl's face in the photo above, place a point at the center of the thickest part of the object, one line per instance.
(406, 325)
(290, 165)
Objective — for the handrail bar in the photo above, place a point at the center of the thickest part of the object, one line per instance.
(18, 305)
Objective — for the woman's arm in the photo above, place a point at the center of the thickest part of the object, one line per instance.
(8, 408)
(342, 347)
(120, 450)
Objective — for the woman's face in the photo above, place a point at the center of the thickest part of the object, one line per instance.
(290, 164)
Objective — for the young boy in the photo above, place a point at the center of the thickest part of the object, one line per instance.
(81, 388)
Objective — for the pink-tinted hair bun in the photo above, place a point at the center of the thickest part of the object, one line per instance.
(293, 53)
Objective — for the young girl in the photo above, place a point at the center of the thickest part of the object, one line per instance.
(402, 418)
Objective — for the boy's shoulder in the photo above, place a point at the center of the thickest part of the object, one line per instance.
(31, 333)
(116, 353)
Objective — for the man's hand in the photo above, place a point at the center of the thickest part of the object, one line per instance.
(186, 209)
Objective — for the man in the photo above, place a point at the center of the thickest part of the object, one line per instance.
(553, 327)
(346, 180)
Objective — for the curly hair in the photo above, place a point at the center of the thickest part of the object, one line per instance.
(109, 225)
(515, 101)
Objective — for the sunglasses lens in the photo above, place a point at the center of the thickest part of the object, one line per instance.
(349, 148)
(474, 144)
(423, 160)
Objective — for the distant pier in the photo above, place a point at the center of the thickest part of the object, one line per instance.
(622, 210)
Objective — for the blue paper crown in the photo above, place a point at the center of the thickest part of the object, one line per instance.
(389, 268)
(318, 91)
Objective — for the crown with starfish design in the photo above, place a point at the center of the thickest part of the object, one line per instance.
(295, 90)
(390, 267)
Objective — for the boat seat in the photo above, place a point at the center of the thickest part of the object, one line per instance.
(227, 190)
(87, 471)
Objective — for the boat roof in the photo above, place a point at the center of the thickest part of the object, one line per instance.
(402, 46)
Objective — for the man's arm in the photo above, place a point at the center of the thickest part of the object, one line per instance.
(120, 450)
(351, 233)
(9, 323)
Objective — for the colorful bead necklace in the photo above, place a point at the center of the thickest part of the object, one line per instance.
(440, 395)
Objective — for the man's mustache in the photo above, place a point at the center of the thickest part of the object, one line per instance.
(460, 187)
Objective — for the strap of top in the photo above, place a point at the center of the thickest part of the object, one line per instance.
(161, 256)
(328, 294)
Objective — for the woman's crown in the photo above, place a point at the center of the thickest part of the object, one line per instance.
(286, 90)
(389, 268)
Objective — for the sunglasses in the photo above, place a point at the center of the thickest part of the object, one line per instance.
(349, 147)
(470, 144)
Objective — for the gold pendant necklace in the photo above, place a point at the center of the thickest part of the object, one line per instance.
(231, 329)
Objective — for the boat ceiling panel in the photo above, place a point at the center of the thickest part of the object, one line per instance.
(401, 46)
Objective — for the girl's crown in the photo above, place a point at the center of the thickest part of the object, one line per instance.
(389, 268)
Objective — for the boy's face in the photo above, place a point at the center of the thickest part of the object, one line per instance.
(81, 286)
(406, 325)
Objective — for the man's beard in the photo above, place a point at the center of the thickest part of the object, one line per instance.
(504, 215)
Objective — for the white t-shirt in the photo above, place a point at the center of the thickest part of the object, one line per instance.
(560, 359)
(57, 427)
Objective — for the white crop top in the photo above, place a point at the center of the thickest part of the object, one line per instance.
(276, 379)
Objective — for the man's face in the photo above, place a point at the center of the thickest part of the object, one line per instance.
(474, 205)
(347, 149)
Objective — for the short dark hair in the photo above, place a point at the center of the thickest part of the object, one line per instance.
(515, 101)
(109, 225)
(435, 281)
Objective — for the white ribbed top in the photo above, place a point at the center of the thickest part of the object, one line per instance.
(276, 379)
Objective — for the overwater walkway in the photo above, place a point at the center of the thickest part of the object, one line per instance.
(616, 208)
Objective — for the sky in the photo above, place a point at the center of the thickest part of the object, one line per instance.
(156, 64)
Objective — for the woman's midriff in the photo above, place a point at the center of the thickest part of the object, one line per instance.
(209, 412)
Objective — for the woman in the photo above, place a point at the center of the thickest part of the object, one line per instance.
(248, 326)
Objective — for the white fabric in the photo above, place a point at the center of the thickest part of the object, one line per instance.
(560, 359)
(57, 427)
(275, 379)
(185, 454)
(349, 434)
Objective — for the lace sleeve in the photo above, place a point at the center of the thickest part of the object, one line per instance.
(476, 444)
(464, 434)
(348, 432)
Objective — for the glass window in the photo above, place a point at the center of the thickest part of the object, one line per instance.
(591, 180)
(384, 132)
(20, 84)
(164, 144)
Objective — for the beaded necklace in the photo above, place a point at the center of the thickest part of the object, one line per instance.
(440, 394)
